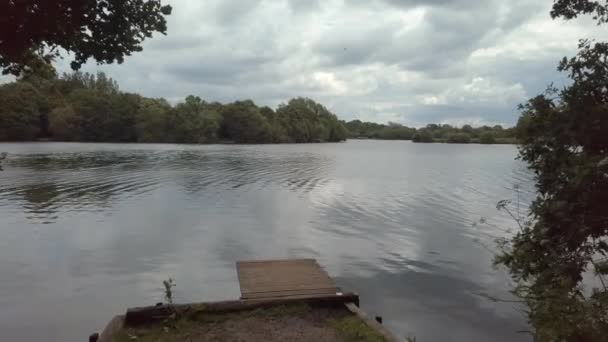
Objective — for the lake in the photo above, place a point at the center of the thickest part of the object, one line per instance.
(88, 230)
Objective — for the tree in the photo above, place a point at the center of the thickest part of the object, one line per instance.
(244, 123)
(422, 135)
(395, 132)
(300, 118)
(122, 117)
(93, 111)
(305, 120)
(390, 131)
(459, 138)
(152, 120)
(85, 107)
(106, 30)
(63, 124)
(359, 129)
(193, 122)
(564, 140)
(277, 131)
(569, 9)
(337, 131)
(467, 129)
(487, 138)
(19, 111)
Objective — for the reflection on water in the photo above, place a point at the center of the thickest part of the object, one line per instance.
(94, 228)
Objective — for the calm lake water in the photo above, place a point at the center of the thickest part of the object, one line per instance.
(88, 230)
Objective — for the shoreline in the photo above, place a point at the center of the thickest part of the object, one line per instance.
(42, 141)
(441, 142)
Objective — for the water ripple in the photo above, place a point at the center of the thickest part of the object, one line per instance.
(108, 222)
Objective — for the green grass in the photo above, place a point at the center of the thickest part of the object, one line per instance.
(194, 318)
(350, 328)
(200, 315)
(160, 333)
(354, 329)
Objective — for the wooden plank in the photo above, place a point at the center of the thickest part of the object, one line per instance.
(314, 300)
(283, 278)
(291, 293)
(258, 288)
(265, 263)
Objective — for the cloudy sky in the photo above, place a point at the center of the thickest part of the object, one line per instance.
(407, 61)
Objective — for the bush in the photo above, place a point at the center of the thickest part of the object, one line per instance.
(459, 138)
(487, 138)
(422, 136)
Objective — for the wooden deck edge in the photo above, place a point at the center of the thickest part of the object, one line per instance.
(354, 308)
(154, 314)
(263, 261)
(318, 292)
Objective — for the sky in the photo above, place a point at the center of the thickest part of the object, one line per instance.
(408, 61)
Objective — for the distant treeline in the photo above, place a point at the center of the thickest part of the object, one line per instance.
(84, 107)
(431, 133)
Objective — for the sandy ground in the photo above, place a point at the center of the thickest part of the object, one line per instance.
(309, 326)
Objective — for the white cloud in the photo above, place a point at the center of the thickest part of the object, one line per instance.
(409, 61)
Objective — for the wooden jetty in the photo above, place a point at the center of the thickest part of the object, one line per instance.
(263, 284)
(273, 279)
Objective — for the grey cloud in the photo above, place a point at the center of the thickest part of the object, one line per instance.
(411, 61)
(174, 43)
(209, 73)
(430, 3)
(535, 75)
(228, 12)
(439, 44)
(486, 113)
(345, 46)
(299, 6)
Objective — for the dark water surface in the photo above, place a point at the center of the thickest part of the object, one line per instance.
(87, 230)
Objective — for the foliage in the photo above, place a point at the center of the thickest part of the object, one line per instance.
(569, 9)
(459, 138)
(85, 107)
(487, 138)
(307, 121)
(19, 111)
(152, 120)
(2, 158)
(563, 139)
(168, 285)
(244, 123)
(396, 132)
(431, 133)
(62, 122)
(278, 133)
(106, 30)
(193, 122)
(422, 136)
(372, 130)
